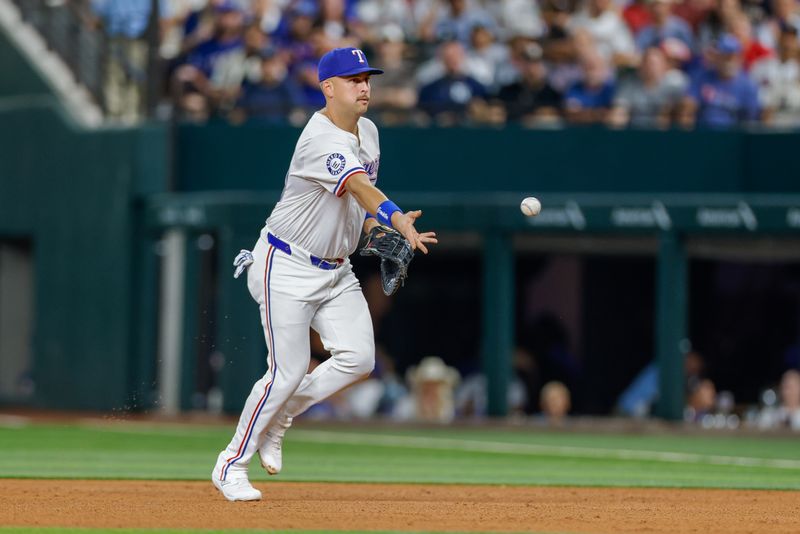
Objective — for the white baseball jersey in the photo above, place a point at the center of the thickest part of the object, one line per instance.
(314, 212)
(295, 291)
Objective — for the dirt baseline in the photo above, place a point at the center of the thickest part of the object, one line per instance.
(286, 506)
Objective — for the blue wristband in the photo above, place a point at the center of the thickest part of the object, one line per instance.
(385, 211)
(368, 216)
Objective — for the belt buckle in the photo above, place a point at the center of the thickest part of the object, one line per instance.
(325, 264)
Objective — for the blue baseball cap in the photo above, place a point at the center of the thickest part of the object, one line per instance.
(728, 44)
(344, 62)
(226, 6)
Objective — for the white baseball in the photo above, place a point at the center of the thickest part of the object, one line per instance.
(530, 206)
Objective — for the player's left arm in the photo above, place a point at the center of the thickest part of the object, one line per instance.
(378, 205)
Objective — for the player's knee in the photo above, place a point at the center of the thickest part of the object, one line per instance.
(366, 365)
(364, 359)
(356, 359)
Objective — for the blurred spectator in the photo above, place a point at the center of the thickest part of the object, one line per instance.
(547, 339)
(531, 100)
(787, 414)
(609, 32)
(378, 15)
(694, 12)
(126, 22)
(457, 19)
(717, 23)
(294, 31)
(589, 101)
(677, 54)
(202, 83)
(701, 401)
(637, 16)
(517, 18)
(472, 397)
(642, 393)
(510, 71)
(200, 22)
(752, 50)
(268, 13)
(778, 79)
(665, 25)
(239, 66)
(557, 15)
(555, 402)
(721, 96)
(394, 94)
(432, 385)
(651, 98)
(486, 57)
(336, 24)
(449, 99)
(431, 78)
(305, 71)
(785, 14)
(560, 54)
(270, 98)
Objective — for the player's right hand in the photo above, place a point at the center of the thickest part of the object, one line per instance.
(404, 223)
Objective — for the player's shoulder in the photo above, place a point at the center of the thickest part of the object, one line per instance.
(366, 125)
(321, 131)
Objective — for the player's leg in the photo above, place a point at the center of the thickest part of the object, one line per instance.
(286, 320)
(345, 327)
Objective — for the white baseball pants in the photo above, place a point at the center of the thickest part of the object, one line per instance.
(293, 294)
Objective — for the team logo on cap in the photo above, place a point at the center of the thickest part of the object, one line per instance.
(335, 163)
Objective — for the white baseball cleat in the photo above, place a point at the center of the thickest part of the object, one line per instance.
(270, 451)
(236, 486)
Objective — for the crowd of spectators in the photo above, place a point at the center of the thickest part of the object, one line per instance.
(641, 63)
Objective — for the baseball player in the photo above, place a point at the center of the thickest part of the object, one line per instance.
(300, 275)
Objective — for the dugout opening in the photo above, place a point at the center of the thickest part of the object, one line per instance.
(744, 311)
(17, 308)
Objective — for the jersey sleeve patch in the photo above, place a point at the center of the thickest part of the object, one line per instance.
(336, 163)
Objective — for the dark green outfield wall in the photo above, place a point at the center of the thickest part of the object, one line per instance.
(72, 193)
(219, 157)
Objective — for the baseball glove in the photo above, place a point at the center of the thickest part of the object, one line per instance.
(395, 253)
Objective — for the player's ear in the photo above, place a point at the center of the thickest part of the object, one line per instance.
(327, 87)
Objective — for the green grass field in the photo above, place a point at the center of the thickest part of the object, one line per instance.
(140, 450)
(135, 450)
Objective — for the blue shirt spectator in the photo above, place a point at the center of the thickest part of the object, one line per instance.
(724, 102)
(460, 21)
(269, 103)
(207, 54)
(587, 97)
(724, 95)
(126, 18)
(639, 397)
(228, 39)
(452, 93)
(673, 27)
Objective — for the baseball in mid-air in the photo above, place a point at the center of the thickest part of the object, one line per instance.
(530, 206)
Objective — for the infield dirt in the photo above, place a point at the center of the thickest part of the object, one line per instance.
(443, 508)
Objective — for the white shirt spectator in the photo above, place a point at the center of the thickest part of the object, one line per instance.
(516, 17)
(608, 30)
(779, 89)
(377, 14)
(779, 417)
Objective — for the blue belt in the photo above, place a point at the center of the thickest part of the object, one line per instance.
(283, 246)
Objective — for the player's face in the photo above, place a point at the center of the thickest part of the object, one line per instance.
(353, 92)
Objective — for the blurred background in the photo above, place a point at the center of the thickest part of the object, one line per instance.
(144, 142)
